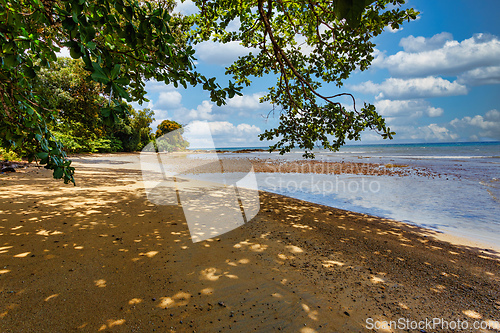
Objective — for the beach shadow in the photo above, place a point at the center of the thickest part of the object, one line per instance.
(101, 257)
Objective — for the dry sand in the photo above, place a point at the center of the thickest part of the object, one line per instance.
(100, 257)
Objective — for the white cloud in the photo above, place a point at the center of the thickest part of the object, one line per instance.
(391, 30)
(247, 102)
(393, 88)
(487, 126)
(420, 44)
(407, 133)
(63, 53)
(481, 76)
(138, 106)
(220, 54)
(478, 127)
(452, 58)
(434, 132)
(412, 108)
(434, 112)
(153, 86)
(378, 58)
(223, 133)
(186, 7)
(169, 99)
(202, 112)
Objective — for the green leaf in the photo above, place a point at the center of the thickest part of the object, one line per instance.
(124, 81)
(30, 72)
(100, 77)
(121, 92)
(43, 155)
(75, 52)
(105, 112)
(115, 71)
(58, 173)
(11, 60)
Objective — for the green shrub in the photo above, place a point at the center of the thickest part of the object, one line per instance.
(8, 155)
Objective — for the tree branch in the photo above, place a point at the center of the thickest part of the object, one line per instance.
(282, 57)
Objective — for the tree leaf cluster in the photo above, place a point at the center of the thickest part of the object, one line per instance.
(122, 43)
(308, 47)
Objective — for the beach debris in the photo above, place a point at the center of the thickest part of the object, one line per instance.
(9, 166)
(8, 169)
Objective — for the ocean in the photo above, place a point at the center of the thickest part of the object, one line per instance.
(459, 192)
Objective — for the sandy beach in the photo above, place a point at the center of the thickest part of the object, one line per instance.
(99, 257)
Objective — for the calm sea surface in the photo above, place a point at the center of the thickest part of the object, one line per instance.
(462, 197)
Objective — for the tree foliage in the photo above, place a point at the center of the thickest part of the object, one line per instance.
(78, 122)
(169, 136)
(305, 45)
(75, 100)
(122, 43)
(167, 126)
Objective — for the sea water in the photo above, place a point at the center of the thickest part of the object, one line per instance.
(459, 194)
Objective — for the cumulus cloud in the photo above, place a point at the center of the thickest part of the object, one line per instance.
(427, 133)
(391, 30)
(477, 127)
(420, 44)
(169, 99)
(220, 54)
(434, 112)
(412, 108)
(63, 53)
(408, 133)
(223, 133)
(202, 111)
(481, 76)
(434, 132)
(155, 86)
(394, 88)
(247, 103)
(487, 126)
(422, 58)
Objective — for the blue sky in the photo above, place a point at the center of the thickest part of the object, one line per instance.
(435, 80)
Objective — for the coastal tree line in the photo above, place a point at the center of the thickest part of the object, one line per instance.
(78, 123)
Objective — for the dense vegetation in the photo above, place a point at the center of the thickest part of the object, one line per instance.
(122, 43)
(78, 122)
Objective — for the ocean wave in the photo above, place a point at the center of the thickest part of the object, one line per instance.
(441, 156)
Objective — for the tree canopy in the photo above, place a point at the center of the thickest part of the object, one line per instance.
(123, 43)
(169, 136)
(305, 45)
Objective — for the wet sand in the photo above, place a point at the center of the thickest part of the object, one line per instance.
(101, 257)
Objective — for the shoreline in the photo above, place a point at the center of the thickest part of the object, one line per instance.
(241, 164)
(306, 167)
(99, 256)
(454, 239)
